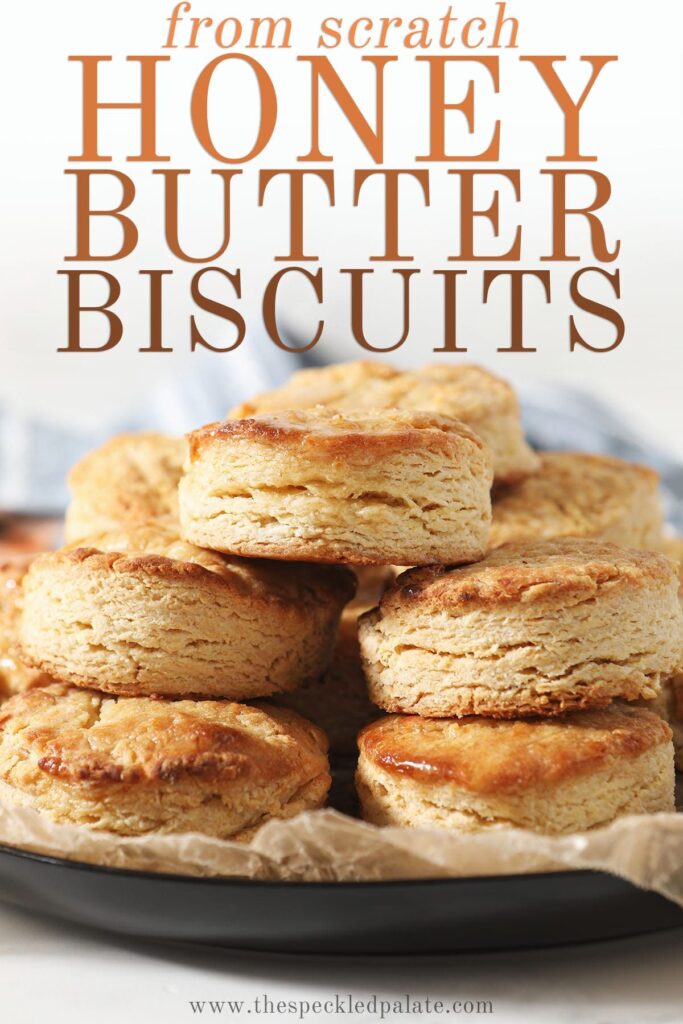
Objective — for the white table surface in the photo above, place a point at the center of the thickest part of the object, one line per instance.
(51, 972)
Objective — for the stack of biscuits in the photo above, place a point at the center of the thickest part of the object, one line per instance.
(228, 605)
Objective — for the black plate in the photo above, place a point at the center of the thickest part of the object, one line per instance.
(441, 915)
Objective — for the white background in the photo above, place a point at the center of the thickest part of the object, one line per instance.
(631, 120)
(65, 975)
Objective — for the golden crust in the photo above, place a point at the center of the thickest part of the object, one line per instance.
(580, 495)
(549, 571)
(319, 432)
(461, 391)
(156, 551)
(84, 736)
(331, 386)
(485, 402)
(470, 703)
(495, 757)
(127, 765)
(131, 478)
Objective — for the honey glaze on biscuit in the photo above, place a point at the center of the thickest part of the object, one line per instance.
(141, 740)
(189, 748)
(337, 432)
(488, 756)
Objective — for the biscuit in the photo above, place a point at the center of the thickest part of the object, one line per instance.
(321, 486)
(487, 404)
(338, 701)
(579, 495)
(142, 612)
(131, 479)
(533, 629)
(15, 675)
(668, 704)
(134, 765)
(552, 776)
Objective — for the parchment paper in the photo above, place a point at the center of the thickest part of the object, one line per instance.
(326, 845)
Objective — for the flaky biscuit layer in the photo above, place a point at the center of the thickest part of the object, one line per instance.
(363, 488)
(532, 629)
(122, 618)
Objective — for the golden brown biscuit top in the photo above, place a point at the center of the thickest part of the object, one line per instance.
(81, 736)
(492, 756)
(135, 458)
(462, 390)
(157, 551)
(550, 571)
(132, 476)
(322, 432)
(573, 494)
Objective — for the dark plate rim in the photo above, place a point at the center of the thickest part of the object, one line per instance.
(105, 869)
